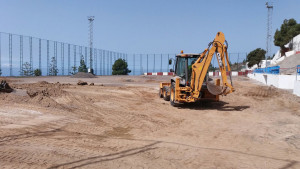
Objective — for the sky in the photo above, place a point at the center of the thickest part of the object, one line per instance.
(141, 27)
(147, 26)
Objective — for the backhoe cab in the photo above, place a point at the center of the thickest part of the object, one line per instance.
(191, 83)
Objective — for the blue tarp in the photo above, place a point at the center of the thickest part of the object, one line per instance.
(269, 70)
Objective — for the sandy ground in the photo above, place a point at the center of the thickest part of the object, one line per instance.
(121, 123)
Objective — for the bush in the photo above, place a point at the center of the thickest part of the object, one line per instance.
(26, 69)
(120, 67)
(53, 71)
(37, 72)
(74, 70)
(82, 67)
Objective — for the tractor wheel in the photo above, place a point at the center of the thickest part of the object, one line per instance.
(172, 95)
(160, 93)
(166, 93)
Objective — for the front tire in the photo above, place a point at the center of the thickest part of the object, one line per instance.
(160, 93)
(166, 96)
(172, 95)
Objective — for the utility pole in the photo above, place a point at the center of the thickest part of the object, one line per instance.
(91, 22)
(269, 6)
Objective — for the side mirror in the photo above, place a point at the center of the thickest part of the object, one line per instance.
(171, 70)
(170, 61)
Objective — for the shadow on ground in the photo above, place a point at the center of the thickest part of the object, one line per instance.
(209, 105)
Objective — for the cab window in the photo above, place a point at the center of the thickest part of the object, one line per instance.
(180, 67)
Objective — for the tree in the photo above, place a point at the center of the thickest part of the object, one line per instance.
(0, 72)
(26, 69)
(120, 67)
(255, 56)
(289, 29)
(74, 70)
(82, 67)
(37, 72)
(53, 71)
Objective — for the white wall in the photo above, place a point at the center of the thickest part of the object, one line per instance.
(296, 90)
(286, 81)
(273, 80)
(280, 81)
(234, 73)
(259, 77)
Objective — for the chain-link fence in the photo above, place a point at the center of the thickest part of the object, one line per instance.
(141, 63)
(46, 55)
(16, 51)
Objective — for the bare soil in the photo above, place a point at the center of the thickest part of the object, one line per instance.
(120, 122)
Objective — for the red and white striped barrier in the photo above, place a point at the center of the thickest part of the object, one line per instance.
(160, 73)
(234, 73)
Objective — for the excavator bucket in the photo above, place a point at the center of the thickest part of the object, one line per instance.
(4, 87)
(214, 89)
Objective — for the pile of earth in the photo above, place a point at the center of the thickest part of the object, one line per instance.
(83, 75)
(40, 93)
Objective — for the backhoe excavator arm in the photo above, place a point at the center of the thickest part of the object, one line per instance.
(200, 67)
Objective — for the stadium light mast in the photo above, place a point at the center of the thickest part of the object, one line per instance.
(91, 22)
(269, 6)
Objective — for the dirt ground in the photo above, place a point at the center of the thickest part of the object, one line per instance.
(120, 122)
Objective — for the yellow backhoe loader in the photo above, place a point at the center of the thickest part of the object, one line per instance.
(191, 83)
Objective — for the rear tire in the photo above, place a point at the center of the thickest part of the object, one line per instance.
(166, 93)
(172, 95)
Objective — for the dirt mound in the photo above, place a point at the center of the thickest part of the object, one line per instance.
(263, 91)
(48, 92)
(83, 75)
(45, 101)
(40, 93)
